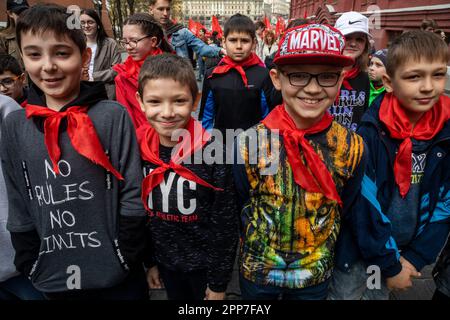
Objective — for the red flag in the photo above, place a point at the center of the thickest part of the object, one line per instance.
(193, 27)
(305, 15)
(215, 26)
(267, 22)
(280, 26)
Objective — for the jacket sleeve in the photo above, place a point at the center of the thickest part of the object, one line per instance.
(433, 230)
(208, 105)
(132, 218)
(198, 46)
(24, 236)
(242, 186)
(108, 75)
(369, 224)
(223, 230)
(26, 245)
(272, 96)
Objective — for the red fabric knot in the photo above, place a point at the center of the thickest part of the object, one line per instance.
(228, 64)
(399, 127)
(149, 142)
(80, 130)
(311, 174)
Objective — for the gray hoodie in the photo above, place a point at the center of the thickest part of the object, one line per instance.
(7, 268)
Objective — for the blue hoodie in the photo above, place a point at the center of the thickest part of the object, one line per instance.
(368, 233)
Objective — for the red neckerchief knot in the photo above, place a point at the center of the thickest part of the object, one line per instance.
(397, 123)
(149, 145)
(314, 176)
(228, 64)
(80, 130)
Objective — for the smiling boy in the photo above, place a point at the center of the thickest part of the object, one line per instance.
(291, 217)
(401, 222)
(193, 218)
(72, 171)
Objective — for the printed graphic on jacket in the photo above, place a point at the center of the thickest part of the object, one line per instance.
(349, 108)
(289, 234)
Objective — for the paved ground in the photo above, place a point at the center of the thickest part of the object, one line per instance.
(422, 290)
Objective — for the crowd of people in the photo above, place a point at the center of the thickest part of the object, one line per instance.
(337, 158)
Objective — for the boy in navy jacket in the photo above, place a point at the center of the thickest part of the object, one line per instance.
(401, 221)
(238, 93)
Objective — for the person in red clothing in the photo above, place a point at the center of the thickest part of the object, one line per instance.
(143, 36)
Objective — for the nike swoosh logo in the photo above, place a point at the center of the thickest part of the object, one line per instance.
(352, 22)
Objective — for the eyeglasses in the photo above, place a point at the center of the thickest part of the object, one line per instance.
(89, 23)
(132, 43)
(302, 79)
(9, 82)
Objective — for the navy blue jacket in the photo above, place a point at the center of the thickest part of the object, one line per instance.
(366, 233)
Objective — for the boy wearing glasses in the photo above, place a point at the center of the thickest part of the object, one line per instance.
(12, 79)
(291, 216)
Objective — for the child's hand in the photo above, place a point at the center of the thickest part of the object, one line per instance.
(406, 264)
(402, 280)
(153, 280)
(211, 295)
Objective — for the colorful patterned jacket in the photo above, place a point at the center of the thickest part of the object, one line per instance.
(288, 234)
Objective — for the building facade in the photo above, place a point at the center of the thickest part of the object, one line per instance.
(275, 8)
(203, 10)
(387, 18)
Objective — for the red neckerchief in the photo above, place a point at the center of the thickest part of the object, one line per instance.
(393, 116)
(132, 67)
(148, 140)
(228, 64)
(126, 86)
(80, 130)
(350, 74)
(314, 176)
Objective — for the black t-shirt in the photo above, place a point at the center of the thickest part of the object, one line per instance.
(193, 227)
(351, 105)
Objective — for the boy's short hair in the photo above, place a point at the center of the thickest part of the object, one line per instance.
(9, 63)
(240, 23)
(168, 66)
(49, 17)
(415, 45)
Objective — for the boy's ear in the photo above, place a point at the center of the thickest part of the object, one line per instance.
(341, 79)
(22, 78)
(154, 42)
(139, 100)
(86, 57)
(275, 76)
(196, 101)
(387, 83)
